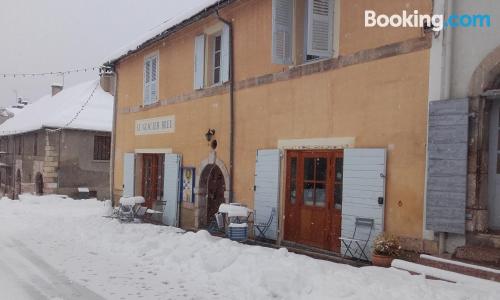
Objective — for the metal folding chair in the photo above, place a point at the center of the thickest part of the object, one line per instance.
(263, 227)
(363, 228)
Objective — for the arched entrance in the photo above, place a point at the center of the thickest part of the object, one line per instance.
(39, 184)
(18, 183)
(213, 186)
(483, 203)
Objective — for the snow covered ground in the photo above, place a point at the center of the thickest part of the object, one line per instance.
(55, 248)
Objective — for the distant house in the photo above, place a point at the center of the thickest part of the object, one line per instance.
(8, 112)
(59, 143)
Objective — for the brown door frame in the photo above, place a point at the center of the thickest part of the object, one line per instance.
(293, 212)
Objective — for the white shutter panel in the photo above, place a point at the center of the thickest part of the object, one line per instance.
(363, 189)
(154, 81)
(147, 80)
(282, 32)
(171, 180)
(128, 174)
(199, 61)
(267, 186)
(320, 28)
(224, 63)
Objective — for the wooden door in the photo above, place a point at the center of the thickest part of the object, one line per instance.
(152, 178)
(312, 216)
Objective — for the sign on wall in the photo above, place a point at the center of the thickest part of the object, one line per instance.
(187, 192)
(158, 125)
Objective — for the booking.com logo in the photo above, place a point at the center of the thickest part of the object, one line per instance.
(436, 22)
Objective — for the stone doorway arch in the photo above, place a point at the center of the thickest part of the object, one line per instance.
(486, 77)
(39, 184)
(211, 189)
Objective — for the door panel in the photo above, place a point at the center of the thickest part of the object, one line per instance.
(312, 217)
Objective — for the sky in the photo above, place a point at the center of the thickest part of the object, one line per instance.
(39, 36)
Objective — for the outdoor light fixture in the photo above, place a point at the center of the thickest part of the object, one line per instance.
(210, 133)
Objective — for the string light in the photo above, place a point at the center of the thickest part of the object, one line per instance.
(24, 75)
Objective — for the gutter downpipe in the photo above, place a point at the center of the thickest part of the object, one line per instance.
(113, 140)
(231, 104)
(445, 92)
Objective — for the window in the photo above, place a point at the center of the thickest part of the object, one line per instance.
(211, 65)
(150, 79)
(102, 147)
(216, 58)
(19, 145)
(303, 30)
(35, 144)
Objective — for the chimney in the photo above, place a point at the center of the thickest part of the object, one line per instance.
(56, 88)
(107, 79)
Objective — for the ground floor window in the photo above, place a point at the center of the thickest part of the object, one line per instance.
(102, 147)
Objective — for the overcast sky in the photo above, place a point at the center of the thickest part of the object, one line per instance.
(54, 35)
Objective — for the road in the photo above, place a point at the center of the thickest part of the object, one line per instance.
(25, 276)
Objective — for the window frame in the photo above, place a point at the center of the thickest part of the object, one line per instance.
(149, 58)
(102, 148)
(213, 53)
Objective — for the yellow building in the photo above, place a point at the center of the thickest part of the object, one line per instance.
(286, 104)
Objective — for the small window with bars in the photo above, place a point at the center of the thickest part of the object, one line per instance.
(102, 147)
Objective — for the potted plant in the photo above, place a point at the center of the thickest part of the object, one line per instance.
(385, 248)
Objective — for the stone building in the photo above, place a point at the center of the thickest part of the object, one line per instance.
(59, 143)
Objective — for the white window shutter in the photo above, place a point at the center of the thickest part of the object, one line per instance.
(267, 189)
(147, 81)
(153, 83)
(224, 63)
(320, 28)
(363, 192)
(199, 61)
(282, 32)
(128, 174)
(171, 182)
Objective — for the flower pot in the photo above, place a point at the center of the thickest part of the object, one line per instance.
(382, 260)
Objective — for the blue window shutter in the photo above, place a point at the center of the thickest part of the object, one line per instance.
(446, 193)
(320, 28)
(224, 63)
(363, 184)
(171, 189)
(199, 61)
(267, 188)
(282, 32)
(128, 174)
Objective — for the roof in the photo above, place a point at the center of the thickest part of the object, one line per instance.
(59, 111)
(202, 9)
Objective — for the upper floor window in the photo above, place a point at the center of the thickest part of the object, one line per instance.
(102, 147)
(151, 79)
(303, 30)
(35, 144)
(19, 145)
(211, 65)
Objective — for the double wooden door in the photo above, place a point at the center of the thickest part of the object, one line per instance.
(152, 178)
(313, 203)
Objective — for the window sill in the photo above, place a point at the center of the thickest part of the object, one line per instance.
(100, 161)
(310, 62)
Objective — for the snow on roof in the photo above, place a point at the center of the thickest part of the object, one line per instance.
(57, 111)
(200, 7)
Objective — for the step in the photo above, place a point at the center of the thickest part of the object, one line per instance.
(440, 274)
(460, 267)
(479, 255)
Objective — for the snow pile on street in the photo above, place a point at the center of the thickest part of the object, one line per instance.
(131, 261)
(200, 6)
(59, 110)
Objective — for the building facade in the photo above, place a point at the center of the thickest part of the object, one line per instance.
(292, 105)
(463, 202)
(43, 157)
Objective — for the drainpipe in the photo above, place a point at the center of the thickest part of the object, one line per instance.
(231, 104)
(446, 89)
(113, 140)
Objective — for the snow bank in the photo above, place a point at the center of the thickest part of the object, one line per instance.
(56, 111)
(156, 262)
